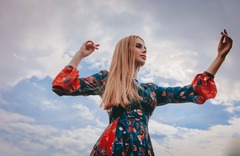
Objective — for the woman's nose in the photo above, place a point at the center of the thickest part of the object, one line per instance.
(144, 51)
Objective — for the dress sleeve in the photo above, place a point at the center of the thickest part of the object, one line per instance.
(201, 89)
(67, 82)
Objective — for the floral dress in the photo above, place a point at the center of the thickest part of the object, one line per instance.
(127, 133)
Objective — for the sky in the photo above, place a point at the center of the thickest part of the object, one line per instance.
(38, 38)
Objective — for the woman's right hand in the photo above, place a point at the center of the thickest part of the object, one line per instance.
(225, 44)
(88, 48)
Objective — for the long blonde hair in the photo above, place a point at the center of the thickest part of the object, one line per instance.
(120, 89)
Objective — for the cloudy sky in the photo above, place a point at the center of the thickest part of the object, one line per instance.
(38, 38)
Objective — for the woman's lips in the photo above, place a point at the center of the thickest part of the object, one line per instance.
(143, 57)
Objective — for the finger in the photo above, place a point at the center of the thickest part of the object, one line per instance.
(89, 43)
(222, 38)
(97, 45)
(226, 37)
(96, 48)
(225, 31)
(224, 34)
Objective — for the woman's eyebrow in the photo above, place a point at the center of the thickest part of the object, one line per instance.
(138, 44)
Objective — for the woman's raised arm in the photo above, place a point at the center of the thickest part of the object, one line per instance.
(87, 49)
(224, 46)
(67, 82)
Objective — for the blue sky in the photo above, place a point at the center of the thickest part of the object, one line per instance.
(38, 38)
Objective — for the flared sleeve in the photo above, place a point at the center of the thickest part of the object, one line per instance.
(67, 82)
(204, 87)
(201, 89)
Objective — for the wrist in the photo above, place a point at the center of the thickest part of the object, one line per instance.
(209, 74)
(79, 55)
(221, 58)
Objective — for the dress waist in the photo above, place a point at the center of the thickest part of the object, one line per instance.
(130, 111)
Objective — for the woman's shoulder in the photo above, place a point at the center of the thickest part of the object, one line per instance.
(103, 73)
(148, 85)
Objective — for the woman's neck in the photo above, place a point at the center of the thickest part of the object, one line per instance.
(136, 72)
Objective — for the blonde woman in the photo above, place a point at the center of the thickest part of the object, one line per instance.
(128, 102)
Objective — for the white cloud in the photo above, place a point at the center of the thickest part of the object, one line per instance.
(25, 137)
(2, 101)
(161, 129)
(50, 104)
(7, 117)
(10, 150)
(89, 115)
(228, 94)
(171, 60)
(95, 99)
(180, 141)
(73, 142)
(84, 112)
(185, 141)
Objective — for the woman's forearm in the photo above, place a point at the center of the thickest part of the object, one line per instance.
(216, 64)
(76, 59)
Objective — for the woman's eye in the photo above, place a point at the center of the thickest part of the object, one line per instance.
(139, 46)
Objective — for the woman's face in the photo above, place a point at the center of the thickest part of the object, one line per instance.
(140, 52)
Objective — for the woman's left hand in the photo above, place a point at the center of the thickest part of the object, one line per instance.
(224, 45)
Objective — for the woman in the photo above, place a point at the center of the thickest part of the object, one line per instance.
(128, 102)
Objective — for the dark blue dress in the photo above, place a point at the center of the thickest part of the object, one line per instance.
(127, 133)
